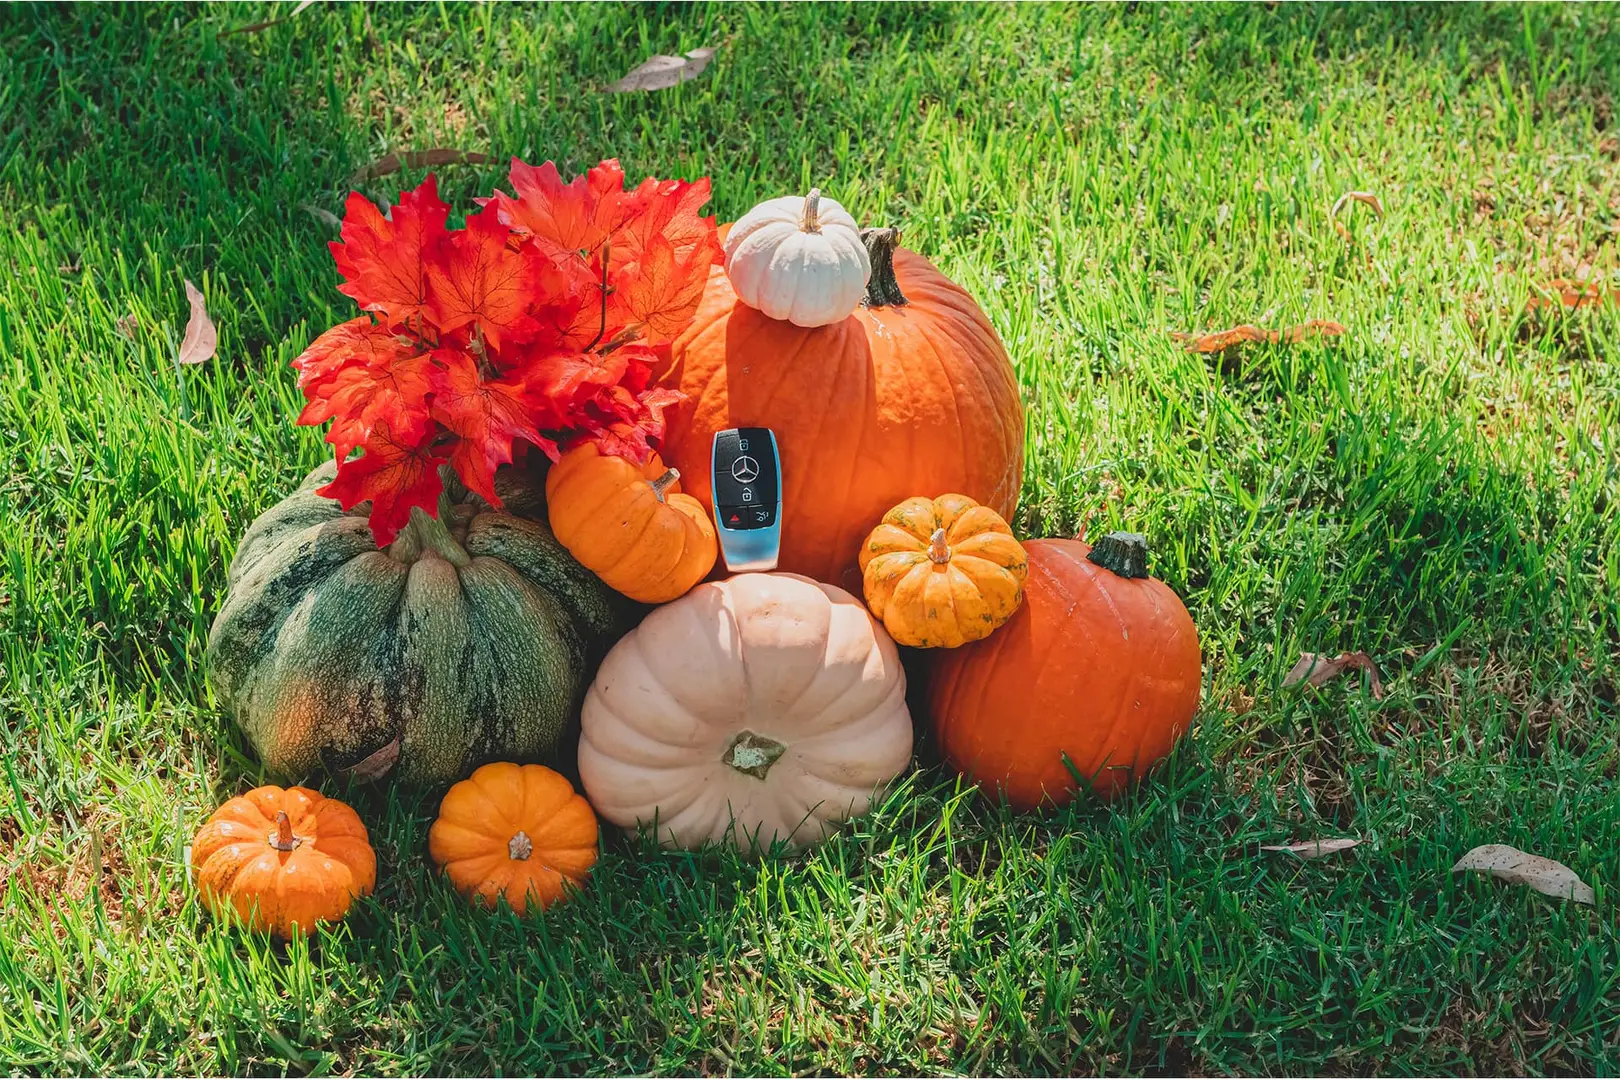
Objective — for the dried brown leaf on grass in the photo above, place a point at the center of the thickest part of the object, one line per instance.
(325, 217)
(252, 28)
(1546, 876)
(420, 159)
(1313, 669)
(201, 337)
(662, 72)
(1222, 340)
(1561, 292)
(1365, 198)
(1314, 849)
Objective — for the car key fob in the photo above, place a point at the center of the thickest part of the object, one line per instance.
(746, 480)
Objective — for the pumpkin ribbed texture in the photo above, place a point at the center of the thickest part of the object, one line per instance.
(284, 860)
(470, 638)
(1095, 673)
(514, 831)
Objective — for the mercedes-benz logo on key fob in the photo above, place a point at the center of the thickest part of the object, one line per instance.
(746, 479)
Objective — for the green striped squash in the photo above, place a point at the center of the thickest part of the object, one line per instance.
(470, 638)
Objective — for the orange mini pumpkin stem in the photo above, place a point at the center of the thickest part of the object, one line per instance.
(283, 840)
(663, 482)
(938, 549)
(810, 220)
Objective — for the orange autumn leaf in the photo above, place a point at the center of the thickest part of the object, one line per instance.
(488, 415)
(1561, 292)
(482, 283)
(394, 475)
(1247, 332)
(384, 260)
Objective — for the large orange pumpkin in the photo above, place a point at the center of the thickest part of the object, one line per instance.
(913, 392)
(1096, 676)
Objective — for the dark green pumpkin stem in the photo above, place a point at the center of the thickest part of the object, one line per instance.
(1122, 553)
(882, 290)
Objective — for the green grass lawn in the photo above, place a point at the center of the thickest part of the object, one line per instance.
(1437, 486)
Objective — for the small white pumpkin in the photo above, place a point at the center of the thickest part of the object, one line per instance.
(798, 259)
(763, 707)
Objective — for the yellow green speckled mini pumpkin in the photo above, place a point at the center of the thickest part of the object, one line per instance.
(470, 638)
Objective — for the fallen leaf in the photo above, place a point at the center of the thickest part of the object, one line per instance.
(325, 217)
(252, 28)
(128, 325)
(421, 159)
(662, 72)
(201, 337)
(375, 766)
(185, 857)
(1314, 849)
(1222, 340)
(1570, 294)
(1365, 198)
(1522, 868)
(1316, 670)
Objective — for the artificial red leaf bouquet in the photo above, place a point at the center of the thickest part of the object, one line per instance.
(538, 323)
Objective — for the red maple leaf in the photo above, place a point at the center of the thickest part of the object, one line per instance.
(384, 260)
(564, 377)
(394, 475)
(390, 391)
(659, 293)
(482, 282)
(668, 209)
(358, 341)
(565, 218)
(488, 415)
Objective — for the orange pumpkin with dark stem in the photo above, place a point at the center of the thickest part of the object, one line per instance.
(913, 392)
(517, 831)
(630, 524)
(283, 859)
(1095, 677)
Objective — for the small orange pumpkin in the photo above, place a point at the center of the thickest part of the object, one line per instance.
(630, 524)
(942, 572)
(1096, 676)
(517, 831)
(283, 859)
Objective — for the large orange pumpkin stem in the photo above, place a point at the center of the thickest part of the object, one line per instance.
(938, 549)
(1122, 553)
(283, 838)
(659, 485)
(520, 847)
(810, 220)
(882, 290)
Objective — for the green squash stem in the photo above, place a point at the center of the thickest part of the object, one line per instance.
(424, 533)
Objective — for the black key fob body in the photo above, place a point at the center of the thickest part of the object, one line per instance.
(746, 480)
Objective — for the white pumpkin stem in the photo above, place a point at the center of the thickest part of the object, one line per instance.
(283, 839)
(663, 482)
(810, 220)
(520, 847)
(938, 549)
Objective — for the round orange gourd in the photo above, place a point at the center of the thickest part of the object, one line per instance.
(913, 392)
(630, 524)
(284, 859)
(942, 572)
(517, 831)
(1096, 676)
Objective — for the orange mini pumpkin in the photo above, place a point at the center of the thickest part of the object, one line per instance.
(1096, 676)
(517, 831)
(942, 572)
(630, 524)
(283, 859)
